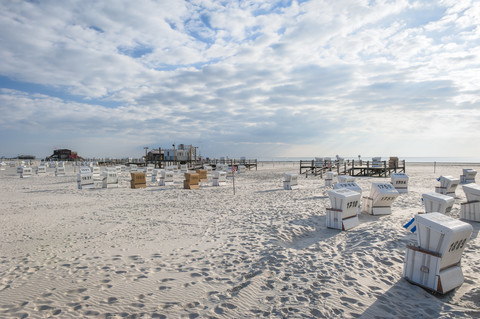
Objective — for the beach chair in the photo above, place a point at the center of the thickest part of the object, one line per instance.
(343, 214)
(26, 172)
(351, 186)
(85, 178)
(110, 178)
(434, 263)
(382, 196)
(346, 179)
(400, 182)
(60, 171)
(191, 181)
(471, 209)
(331, 178)
(139, 180)
(439, 203)
(290, 181)
(468, 176)
(219, 178)
(448, 185)
(202, 175)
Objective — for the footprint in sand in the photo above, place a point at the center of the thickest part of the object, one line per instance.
(48, 309)
(358, 291)
(76, 291)
(167, 279)
(218, 310)
(192, 305)
(75, 306)
(91, 313)
(142, 296)
(43, 308)
(302, 299)
(229, 305)
(164, 288)
(349, 300)
(188, 284)
(104, 286)
(3, 287)
(56, 312)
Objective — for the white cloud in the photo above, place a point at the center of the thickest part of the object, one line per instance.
(336, 75)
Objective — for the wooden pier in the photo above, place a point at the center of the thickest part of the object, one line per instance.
(248, 163)
(319, 168)
(353, 168)
(198, 164)
(308, 167)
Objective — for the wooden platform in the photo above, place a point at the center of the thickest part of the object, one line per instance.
(385, 169)
(353, 168)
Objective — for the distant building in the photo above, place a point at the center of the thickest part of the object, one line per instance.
(26, 157)
(182, 153)
(63, 155)
(155, 155)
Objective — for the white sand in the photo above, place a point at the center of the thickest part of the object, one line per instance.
(169, 252)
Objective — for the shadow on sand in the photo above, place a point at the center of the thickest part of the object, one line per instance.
(420, 304)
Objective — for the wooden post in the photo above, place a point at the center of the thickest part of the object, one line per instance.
(232, 168)
(174, 157)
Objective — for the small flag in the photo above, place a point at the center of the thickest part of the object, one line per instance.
(410, 225)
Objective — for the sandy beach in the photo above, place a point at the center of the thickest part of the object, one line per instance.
(166, 252)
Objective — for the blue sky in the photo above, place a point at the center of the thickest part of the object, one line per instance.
(241, 78)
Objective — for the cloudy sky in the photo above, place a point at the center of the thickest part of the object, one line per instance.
(252, 78)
